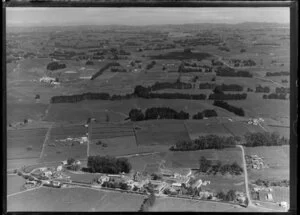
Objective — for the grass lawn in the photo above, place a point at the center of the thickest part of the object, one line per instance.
(71, 199)
(25, 143)
(14, 184)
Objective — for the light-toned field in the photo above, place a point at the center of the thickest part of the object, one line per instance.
(188, 159)
(278, 159)
(14, 183)
(71, 199)
(25, 143)
(185, 205)
(62, 152)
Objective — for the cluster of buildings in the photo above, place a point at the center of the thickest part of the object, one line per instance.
(255, 162)
(81, 140)
(255, 121)
(49, 80)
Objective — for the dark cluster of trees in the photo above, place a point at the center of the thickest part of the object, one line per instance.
(230, 87)
(104, 68)
(231, 108)
(114, 184)
(205, 113)
(261, 89)
(108, 164)
(207, 85)
(229, 72)
(150, 65)
(205, 142)
(157, 113)
(206, 166)
(265, 139)
(167, 85)
(275, 96)
(145, 92)
(267, 183)
(229, 196)
(284, 90)
(80, 97)
(228, 96)
(55, 66)
(282, 73)
(117, 69)
(249, 90)
(148, 202)
(238, 62)
(89, 62)
(224, 48)
(216, 62)
(284, 81)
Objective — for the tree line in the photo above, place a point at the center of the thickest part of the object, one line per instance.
(55, 66)
(281, 96)
(267, 183)
(205, 142)
(261, 89)
(238, 111)
(157, 113)
(229, 72)
(205, 113)
(207, 86)
(284, 90)
(206, 166)
(230, 87)
(104, 68)
(108, 164)
(265, 139)
(228, 96)
(167, 85)
(282, 73)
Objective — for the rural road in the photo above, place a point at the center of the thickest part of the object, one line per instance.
(246, 176)
(274, 82)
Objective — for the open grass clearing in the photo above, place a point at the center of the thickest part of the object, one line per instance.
(25, 143)
(14, 184)
(70, 199)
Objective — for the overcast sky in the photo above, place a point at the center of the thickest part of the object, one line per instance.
(141, 16)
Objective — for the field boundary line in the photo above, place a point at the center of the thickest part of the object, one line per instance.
(13, 194)
(227, 129)
(46, 139)
(187, 130)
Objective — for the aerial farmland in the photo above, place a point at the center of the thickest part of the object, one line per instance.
(158, 117)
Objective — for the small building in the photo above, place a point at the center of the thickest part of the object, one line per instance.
(269, 197)
(102, 179)
(176, 185)
(283, 204)
(59, 168)
(47, 173)
(65, 162)
(56, 184)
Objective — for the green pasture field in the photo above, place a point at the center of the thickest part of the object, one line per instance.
(283, 131)
(161, 132)
(115, 146)
(276, 157)
(17, 163)
(60, 131)
(18, 112)
(14, 184)
(185, 205)
(18, 142)
(61, 152)
(70, 199)
(187, 159)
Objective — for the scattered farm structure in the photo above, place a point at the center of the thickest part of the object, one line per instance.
(255, 162)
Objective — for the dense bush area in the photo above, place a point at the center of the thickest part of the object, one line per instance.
(229, 196)
(55, 66)
(229, 72)
(207, 85)
(239, 62)
(267, 183)
(150, 65)
(282, 90)
(224, 48)
(260, 89)
(281, 96)
(230, 87)
(114, 184)
(167, 85)
(206, 166)
(148, 202)
(264, 139)
(80, 97)
(103, 69)
(229, 96)
(205, 113)
(204, 142)
(282, 73)
(231, 108)
(157, 113)
(108, 164)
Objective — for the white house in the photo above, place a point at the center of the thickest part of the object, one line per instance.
(59, 168)
(65, 162)
(283, 204)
